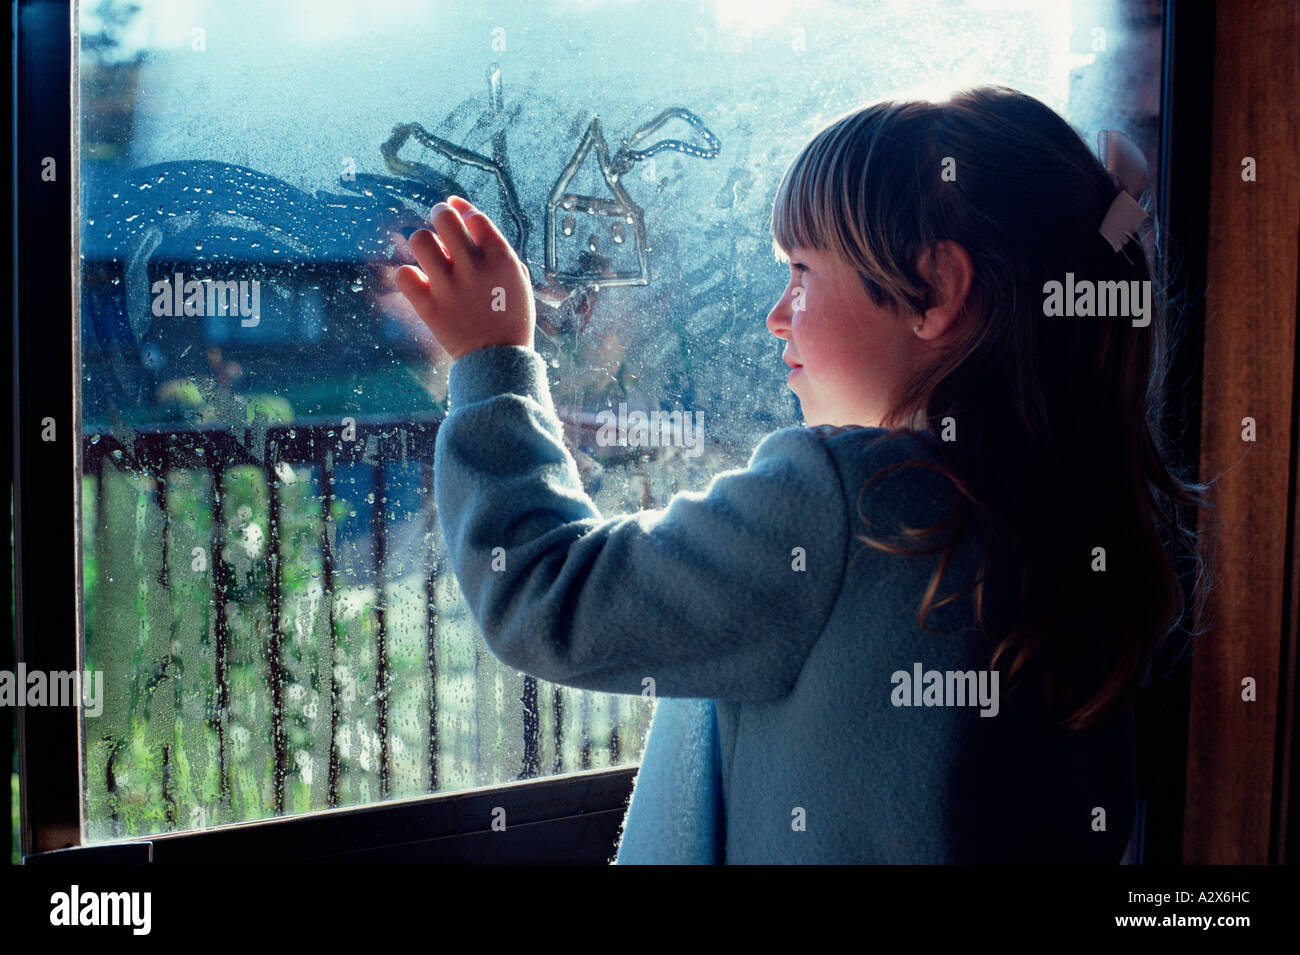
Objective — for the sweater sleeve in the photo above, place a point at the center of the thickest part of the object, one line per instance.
(721, 594)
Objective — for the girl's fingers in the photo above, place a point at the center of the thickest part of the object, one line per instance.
(481, 228)
(408, 276)
(430, 253)
(412, 283)
(452, 232)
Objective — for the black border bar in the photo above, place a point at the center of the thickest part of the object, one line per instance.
(45, 370)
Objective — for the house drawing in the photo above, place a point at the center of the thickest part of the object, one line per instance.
(595, 228)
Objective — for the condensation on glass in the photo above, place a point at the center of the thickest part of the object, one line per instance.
(266, 589)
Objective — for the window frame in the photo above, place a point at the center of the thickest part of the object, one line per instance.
(569, 818)
(1186, 88)
(572, 819)
(1233, 816)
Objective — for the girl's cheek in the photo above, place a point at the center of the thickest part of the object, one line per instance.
(801, 324)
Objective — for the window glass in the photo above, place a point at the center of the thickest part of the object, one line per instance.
(266, 589)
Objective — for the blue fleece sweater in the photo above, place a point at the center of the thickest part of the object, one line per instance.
(797, 717)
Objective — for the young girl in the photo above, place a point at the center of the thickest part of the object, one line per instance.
(821, 700)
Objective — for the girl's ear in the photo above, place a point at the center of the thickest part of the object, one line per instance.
(947, 267)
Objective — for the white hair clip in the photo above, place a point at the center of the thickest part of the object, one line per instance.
(1128, 170)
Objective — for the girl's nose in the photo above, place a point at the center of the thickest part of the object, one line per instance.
(777, 320)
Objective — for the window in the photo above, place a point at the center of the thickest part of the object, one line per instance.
(265, 587)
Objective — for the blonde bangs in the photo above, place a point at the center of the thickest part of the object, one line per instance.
(830, 199)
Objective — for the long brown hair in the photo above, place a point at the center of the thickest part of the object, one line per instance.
(1058, 447)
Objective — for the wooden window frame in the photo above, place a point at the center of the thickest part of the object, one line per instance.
(1241, 756)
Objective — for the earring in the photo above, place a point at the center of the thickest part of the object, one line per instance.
(917, 329)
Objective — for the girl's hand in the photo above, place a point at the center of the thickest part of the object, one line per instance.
(470, 289)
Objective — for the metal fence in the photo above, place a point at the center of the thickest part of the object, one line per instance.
(379, 447)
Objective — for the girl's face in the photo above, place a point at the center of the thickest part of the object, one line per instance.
(851, 355)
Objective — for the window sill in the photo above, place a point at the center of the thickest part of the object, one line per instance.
(570, 819)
